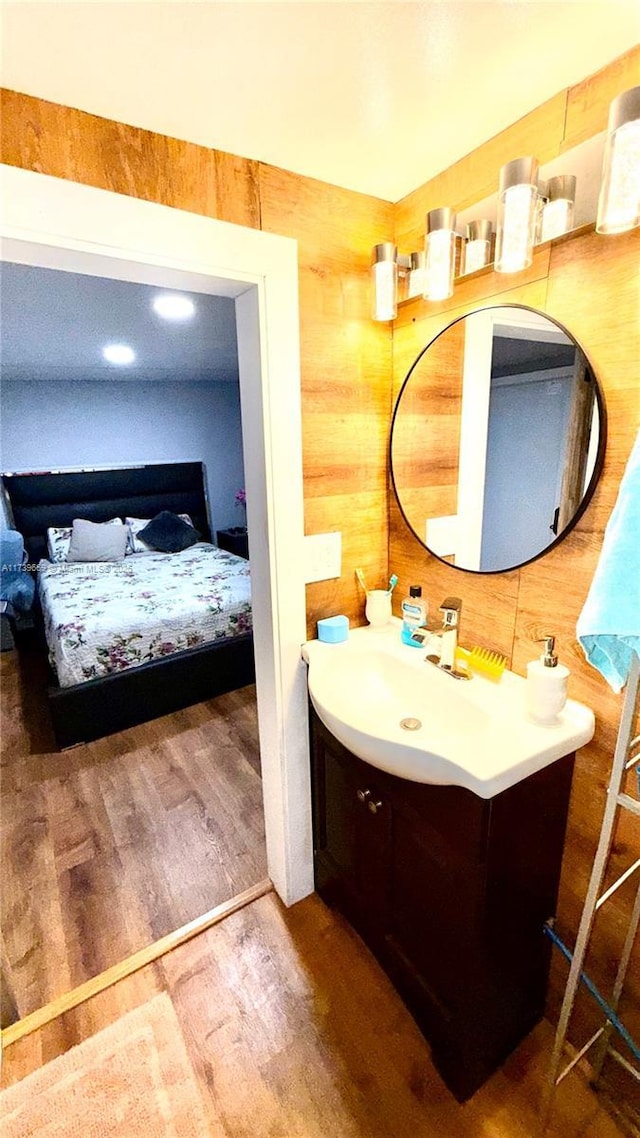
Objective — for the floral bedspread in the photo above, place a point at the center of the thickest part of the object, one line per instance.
(103, 618)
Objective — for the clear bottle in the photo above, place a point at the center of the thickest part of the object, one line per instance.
(414, 615)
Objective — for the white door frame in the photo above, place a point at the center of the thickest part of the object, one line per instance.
(60, 224)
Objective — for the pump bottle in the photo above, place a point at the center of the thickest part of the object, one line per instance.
(546, 689)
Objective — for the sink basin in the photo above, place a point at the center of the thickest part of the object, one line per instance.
(474, 734)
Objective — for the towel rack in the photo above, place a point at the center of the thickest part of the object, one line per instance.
(626, 757)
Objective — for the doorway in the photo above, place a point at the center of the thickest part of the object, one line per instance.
(58, 224)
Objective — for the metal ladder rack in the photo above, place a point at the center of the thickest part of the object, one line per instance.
(626, 756)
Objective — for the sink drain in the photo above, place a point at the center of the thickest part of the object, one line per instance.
(410, 724)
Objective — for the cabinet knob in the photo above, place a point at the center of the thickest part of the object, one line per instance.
(374, 806)
(363, 795)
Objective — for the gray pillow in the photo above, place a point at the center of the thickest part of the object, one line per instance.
(95, 541)
(168, 533)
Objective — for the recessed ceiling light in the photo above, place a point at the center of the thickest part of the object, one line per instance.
(118, 354)
(174, 306)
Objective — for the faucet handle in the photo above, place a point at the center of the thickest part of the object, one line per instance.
(451, 607)
(452, 604)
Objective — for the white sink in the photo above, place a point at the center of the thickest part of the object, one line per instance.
(473, 733)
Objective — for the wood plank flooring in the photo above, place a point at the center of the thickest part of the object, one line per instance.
(113, 844)
(295, 1032)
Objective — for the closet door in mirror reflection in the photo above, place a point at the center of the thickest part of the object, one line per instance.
(497, 439)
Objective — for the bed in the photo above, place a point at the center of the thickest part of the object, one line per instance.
(137, 638)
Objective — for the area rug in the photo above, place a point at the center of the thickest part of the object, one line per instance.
(131, 1080)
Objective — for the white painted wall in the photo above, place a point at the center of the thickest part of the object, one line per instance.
(48, 424)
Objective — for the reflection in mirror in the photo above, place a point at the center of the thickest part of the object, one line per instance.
(497, 439)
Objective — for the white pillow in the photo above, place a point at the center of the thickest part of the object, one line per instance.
(135, 525)
(58, 543)
(91, 541)
(59, 540)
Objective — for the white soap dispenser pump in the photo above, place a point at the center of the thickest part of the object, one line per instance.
(546, 691)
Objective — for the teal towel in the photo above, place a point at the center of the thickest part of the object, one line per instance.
(608, 627)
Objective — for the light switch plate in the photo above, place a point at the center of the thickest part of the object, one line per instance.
(322, 557)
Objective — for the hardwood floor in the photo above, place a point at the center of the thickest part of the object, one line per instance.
(295, 1032)
(114, 844)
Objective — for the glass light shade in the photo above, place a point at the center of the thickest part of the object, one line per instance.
(558, 211)
(541, 202)
(517, 205)
(384, 281)
(476, 251)
(404, 269)
(417, 274)
(119, 354)
(440, 251)
(619, 201)
(174, 306)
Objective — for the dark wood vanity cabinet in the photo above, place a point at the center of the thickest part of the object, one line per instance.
(450, 892)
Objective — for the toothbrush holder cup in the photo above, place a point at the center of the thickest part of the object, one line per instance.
(378, 607)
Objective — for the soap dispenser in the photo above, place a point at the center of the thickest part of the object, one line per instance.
(546, 690)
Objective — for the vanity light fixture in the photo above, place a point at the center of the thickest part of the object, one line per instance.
(517, 204)
(558, 210)
(619, 201)
(440, 249)
(476, 251)
(384, 281)
(174, 306)
(417, 274)
(119, 354)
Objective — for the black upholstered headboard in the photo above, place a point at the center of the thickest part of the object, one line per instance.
(39, 500)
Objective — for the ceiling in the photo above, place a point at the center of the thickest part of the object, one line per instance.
(377, 97)
(55, 325)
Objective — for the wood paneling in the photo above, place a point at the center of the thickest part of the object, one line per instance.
(589, 283)
(426, 432)
(293, 1029)
(588, 102)
(67, 143)
(346, 363)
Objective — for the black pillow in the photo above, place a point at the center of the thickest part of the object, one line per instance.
(168, 533)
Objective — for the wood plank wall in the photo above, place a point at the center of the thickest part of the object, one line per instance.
(592, 285)
(346, 358)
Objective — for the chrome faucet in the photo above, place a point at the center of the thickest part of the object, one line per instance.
(450, 608)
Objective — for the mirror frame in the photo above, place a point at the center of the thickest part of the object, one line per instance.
(598, 464)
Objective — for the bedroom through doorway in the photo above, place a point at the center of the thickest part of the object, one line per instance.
(259, 266)
(124, 839)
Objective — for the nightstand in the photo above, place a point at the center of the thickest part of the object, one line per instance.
(234, 540)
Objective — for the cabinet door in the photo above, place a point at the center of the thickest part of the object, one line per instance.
(351, 834)
(437, 890)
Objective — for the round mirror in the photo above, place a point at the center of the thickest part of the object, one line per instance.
(497, 439)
